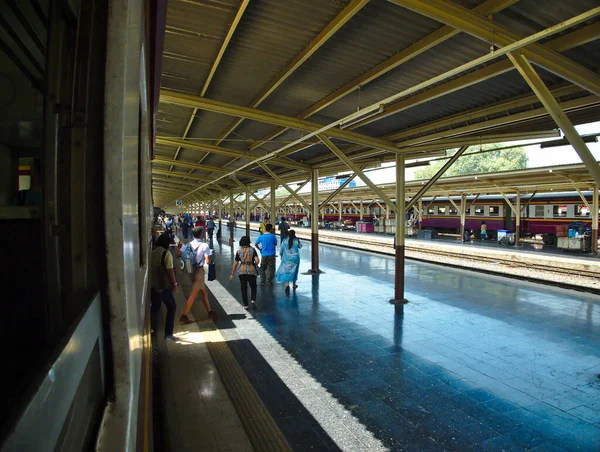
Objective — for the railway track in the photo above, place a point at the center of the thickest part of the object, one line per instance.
(503, 265)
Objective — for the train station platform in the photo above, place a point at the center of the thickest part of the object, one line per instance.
(475, 362)
(571, 270)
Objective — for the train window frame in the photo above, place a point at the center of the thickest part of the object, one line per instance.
(493, 213)
(431, 210)
(442, 210)
(556, 210)
(539, 211)
(479, 211)
(452, 211)
(579, 208)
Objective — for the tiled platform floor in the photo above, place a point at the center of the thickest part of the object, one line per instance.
(475, 362)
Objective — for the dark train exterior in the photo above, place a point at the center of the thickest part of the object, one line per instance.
(76, 321)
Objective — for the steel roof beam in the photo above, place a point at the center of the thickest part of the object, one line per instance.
(338, 22)
(215, 169)
(173, 181)
(327, 142)
(566, 42)
(188, 100)
(330, 129)
(480, 27)
(204, 147)
(543, 93)
(284, 185)
(436, 176)
(213, 69)
(407, 54)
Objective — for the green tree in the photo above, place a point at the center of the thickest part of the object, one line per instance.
(479, 162)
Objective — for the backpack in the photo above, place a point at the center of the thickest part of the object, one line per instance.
(188, 256)
(162, 274)
(247, 265)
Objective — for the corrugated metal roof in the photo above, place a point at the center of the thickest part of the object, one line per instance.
(272, 33)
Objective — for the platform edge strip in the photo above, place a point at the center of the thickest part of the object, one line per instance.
(262, 431)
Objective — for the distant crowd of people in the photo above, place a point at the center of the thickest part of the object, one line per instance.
(249, 263)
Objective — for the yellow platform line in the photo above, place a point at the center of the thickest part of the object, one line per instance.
(262, 431)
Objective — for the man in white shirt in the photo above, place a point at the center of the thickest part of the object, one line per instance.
(202, 255)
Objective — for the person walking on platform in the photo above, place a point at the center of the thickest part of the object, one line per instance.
(163, 282)
(483, 231)
(210, 225)
(262, 227)
(290, 261)
(247, 260)
(284, 227)
(267, 244)
(202, 255)
(185, 227)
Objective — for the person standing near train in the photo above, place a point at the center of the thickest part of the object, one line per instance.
(163, 282)
(262, 227)
(483, 231)
(202, 255)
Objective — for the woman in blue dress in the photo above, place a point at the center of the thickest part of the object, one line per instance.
(290, 261)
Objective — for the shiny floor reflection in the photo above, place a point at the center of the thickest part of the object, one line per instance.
(475, 362)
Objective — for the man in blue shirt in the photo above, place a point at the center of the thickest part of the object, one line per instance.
(267, 244)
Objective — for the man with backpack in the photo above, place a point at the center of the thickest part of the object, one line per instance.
(247, 260)
(201, 254)
(163, 282)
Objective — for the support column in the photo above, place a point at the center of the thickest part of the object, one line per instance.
(420, 213)
(387, 217)
(361, 209)
(518, 219)
(595, 220)
(463, 215)
(340, 211)
(399, 299)
(220, 213)
(232, 212)
(273, 212)
(314, 222)
(247, 214)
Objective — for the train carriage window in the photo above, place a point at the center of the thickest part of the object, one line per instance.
(431, 211)
(479, 210)
(442, 210)
(494, 211)
(559, 211)
(539, 211)
(453, 211)
(582, 211)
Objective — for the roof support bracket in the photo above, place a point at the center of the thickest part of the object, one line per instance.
(510, 204)
(284, 185)
(350, 164)
(543, 93)
(436, 176)
(340, 188)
